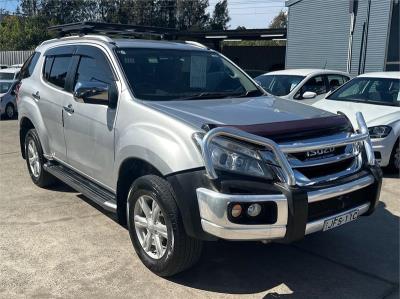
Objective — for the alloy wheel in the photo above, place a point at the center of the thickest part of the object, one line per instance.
(150, 226)
(33, 157)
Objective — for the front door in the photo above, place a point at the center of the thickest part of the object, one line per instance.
(88, 121)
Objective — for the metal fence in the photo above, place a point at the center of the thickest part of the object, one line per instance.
(14, 57)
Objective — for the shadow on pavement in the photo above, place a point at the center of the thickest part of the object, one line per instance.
(345, 258)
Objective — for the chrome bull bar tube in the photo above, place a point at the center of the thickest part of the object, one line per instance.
(280, 151)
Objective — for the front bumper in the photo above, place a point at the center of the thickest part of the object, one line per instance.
(383, 148)
(292, 221)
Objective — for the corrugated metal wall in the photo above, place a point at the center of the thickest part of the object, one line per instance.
(318, 34)
(14, 57)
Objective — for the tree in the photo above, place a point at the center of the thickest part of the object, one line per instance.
(191, 14)
(279, 21)
(22, 33)
(220, 18)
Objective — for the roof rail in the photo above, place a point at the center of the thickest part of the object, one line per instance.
(197, 44)
(84, 28)
(71, 37)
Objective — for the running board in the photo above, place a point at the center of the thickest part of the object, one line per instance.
(91, 190)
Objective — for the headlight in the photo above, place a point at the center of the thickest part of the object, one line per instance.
(235, 157)
(379, 131)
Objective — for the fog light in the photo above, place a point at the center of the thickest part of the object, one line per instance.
(254, 210)
(236, 210)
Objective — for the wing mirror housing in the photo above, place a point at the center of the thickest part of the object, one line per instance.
(309, 95)
(92, 92)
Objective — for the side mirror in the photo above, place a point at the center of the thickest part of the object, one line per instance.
(309, 95)
(92, 92)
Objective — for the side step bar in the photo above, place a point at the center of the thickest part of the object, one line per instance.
(91, 190)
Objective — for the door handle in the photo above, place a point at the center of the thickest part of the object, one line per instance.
(36, 95)
(69, 108)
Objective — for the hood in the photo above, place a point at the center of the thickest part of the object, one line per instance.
(237, 111)
(373, 114)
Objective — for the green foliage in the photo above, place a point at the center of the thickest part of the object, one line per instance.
(220, 18)
(279, 21)
(17, 33)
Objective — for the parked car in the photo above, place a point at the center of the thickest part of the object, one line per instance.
(309, 85)
(377, 96)
(18, 65)
(185, 147)
(3, 66)
(9, 74)
(8, 104)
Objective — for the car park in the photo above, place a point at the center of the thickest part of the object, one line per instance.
(185, 147)
(9, 74)
(308, 85)
(8, 104)
(377, 96)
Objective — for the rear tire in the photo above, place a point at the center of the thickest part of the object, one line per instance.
(10, 111)
(160, 227)
(35, 160)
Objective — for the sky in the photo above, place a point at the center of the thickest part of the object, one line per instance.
(248, 13)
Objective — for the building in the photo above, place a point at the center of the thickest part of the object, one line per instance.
(355, 36)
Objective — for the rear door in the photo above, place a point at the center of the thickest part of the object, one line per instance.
(54, 94)
(89, 124)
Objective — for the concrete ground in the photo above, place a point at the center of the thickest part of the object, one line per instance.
(55, 243)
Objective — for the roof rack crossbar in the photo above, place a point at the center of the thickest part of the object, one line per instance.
(84, 28)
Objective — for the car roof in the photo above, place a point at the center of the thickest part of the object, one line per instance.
(123, 43)
(10, 70)
(389, 75)
(306, 72)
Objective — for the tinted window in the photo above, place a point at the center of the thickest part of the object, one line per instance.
(169, 74)
(334, 81)
(47, 67)
(6, 76)
(95, 73)
(279, 85)
(315, 84)
(59, 70)
(5, 86)
(93, 69)
(380, 91)
(29, 65)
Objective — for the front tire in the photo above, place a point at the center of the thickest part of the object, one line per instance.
(156, 228)
(395, 157)
(35, 160)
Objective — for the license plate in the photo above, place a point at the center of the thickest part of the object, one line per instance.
(340, 220)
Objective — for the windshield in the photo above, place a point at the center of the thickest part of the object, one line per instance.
(380, 91)
(5, 86)
(165, 74)
(279, 85)
(6, 76)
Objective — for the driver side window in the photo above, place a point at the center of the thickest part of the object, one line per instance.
(93, 71)
(315, 84)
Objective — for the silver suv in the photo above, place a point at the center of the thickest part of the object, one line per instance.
(185, 147)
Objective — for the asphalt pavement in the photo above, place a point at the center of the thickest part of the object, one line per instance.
(54, 243)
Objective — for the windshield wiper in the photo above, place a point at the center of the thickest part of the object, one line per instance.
(208, 95)
(250, 93)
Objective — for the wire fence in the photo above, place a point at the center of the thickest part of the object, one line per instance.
(14, 57)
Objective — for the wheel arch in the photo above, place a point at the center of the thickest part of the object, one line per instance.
(24, 126)
(130, 169)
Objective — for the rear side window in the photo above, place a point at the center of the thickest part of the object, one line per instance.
(48, 63)
(29, 66)
(335, 81)
(59, 70)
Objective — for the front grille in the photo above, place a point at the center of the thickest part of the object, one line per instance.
(338, 204)
(303, 155)
(326, 169)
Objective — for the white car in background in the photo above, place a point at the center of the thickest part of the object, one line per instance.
(309, 85)
(377, 96)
